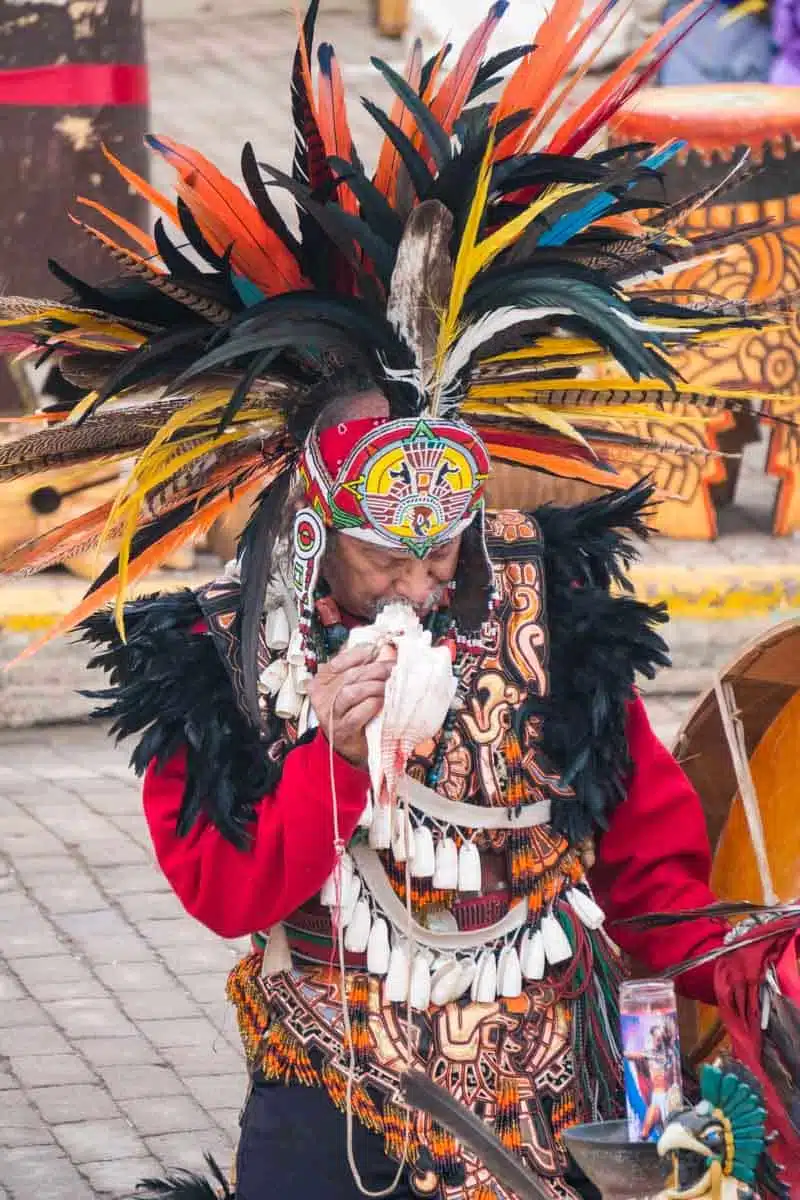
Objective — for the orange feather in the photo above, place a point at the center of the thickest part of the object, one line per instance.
(451, 97)
(604, 95)
(227, 218)
(389, 160)
(148, 561)
(136, 234)
(145, 189)
(532, 82)
(77, 536)
(332, 120)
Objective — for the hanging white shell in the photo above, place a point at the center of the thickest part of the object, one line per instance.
(276, 629)
(484, 985)
(531, 954)
(365, 820)
(469, 868)
(420, 988)
(303, 720)
(556, 943)
(273, 677)
(295, 654)
(302, 678)
(337, 884)
(446, 984)
(380, 830)
(445, 875)
(423, 857)
(509, 973)
(289, 699)
(350, 897)
(587, 909)
(402, 846)
(359, 928)
(469, 969)
(378, 948)
(398, 978)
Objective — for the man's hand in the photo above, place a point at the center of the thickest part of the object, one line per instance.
(352, 686)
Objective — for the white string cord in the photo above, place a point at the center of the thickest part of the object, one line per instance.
(351, 1064)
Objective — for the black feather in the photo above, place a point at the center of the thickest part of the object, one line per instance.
(176, 263)
(436, 138)
(186, 1185)
(418, 172)
(263, 201)
(489, 71)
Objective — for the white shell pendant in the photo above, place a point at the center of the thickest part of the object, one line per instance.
(341, 875)
(587, 909)
(484, 985)
(531, 954)
(509, 973)
(469, 868)
(276, 629)
(445, 875)
(273, 677)
(295, 655)
(359, 928)
(289, 699)
(365, 820)
(423, 858)
(380, 830)
(402, 848)
(302, 678)
(446, 983)
(398, 976)
(350, 897)
(378, 948)
(420, 988)
(556, 943)
(469, 969)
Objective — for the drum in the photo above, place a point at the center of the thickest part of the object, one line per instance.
(739, 748)
(719, 123)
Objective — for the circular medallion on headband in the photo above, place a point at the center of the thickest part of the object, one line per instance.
(408, 484)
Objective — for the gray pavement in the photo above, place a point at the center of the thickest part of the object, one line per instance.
(118, 1052)
(119, 1055)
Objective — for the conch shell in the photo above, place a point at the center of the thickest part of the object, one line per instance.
(419, 692)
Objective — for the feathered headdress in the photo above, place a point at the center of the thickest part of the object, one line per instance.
(484, 277)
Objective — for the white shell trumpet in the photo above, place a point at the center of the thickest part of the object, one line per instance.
(445, 875)
(587, 909)
(419, 693)
(378, 948)
(402, 837)
(556, 943)
(276, 629)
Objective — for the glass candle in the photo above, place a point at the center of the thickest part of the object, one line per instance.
(652, 1056)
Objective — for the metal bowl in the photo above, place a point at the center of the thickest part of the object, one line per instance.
(618, 1167)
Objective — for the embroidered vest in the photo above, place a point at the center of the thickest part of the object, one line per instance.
(514, 993)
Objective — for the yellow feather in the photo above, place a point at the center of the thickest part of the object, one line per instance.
(531, 387)
(461, 272)
(507, 234)
(532, 412)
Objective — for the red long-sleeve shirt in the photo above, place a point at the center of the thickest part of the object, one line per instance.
(653, 857)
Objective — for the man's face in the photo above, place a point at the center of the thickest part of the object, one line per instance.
(363, 577)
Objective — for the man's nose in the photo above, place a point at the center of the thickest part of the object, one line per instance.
(415, 584)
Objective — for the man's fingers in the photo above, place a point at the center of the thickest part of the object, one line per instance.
(359, 717)
(353, 694)
(355, 656)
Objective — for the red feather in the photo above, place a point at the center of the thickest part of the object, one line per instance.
(451, 97)
(332, 119)
(389, 161)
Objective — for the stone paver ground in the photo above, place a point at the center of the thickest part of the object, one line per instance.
(119, 1054)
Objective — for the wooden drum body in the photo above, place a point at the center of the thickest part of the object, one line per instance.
(760, 691)
(719, 123)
